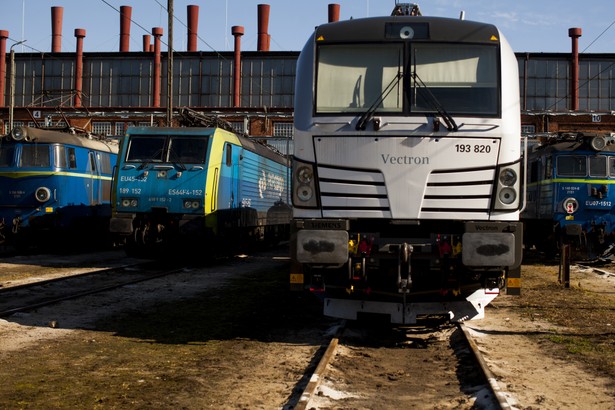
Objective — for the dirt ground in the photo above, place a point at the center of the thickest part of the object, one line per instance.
(231, 337)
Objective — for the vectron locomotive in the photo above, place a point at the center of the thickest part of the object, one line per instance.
(200, 187)
(570, 195)
(406, 167)
(55, 187)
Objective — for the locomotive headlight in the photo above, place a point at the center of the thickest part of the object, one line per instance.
(42, 194)
(304, 185)
(305, 175)
(305, 192)
(18, 133)
(508, 196)
(129, 202)
(508, 177)
(191, 204)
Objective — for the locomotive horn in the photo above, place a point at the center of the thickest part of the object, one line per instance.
(598, 143)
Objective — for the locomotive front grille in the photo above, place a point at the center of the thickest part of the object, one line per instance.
(353, 193)
(467, 191)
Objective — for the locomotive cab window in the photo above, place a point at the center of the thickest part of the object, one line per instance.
(597, 166)
(187, 150)
(572, 166)
(351, 78)
(458, 78)
(461, 78)
(35, 156)
(145, 149)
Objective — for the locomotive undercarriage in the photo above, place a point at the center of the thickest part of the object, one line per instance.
(585, 244)
(404, 278)
(217, 232)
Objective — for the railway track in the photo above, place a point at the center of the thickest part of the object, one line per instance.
(402, 368)
(46, 292)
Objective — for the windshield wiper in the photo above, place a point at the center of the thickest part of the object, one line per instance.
(367, 115)
(451, 125)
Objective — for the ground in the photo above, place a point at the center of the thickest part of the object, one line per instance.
(232, 337)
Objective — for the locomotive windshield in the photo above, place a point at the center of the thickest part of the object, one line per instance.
(174, 149)
(34, 156)
(458, 78)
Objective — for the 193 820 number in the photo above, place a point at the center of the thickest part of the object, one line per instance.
(477, 149)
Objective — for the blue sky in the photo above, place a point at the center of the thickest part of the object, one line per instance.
(529, 25)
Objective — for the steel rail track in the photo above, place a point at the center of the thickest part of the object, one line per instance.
(74, 295)
(499, 395)
(8, 289)
(501, 402)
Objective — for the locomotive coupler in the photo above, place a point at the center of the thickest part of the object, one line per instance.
(404, 283)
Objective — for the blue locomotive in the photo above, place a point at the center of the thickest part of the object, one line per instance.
(202, 186)
(570, 199)
(55, 186)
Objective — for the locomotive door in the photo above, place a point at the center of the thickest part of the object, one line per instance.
(95, 186)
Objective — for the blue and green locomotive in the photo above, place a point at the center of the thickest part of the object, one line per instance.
(570, 195)
(55, 187)
(201, 186)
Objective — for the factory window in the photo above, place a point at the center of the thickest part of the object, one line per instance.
(283, 129)
(528, 129)
(238, 127)
(119, 128)
(101, 128)
(15, 125)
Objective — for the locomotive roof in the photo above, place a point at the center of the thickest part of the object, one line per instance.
(427, 28)
(36, 135)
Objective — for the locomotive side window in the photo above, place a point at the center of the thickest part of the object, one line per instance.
(229, 155)
(533, 171)
(188, 150)
(572, 165)
(92, 167)
(145, 149)
(35, 156)
(59, 156)
(105, 163)
(612, 166)
(597, 166)
(548, 167)
(7, 153)
(72, 158)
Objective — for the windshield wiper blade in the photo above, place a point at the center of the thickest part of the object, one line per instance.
(451, 125)
(367, 115)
